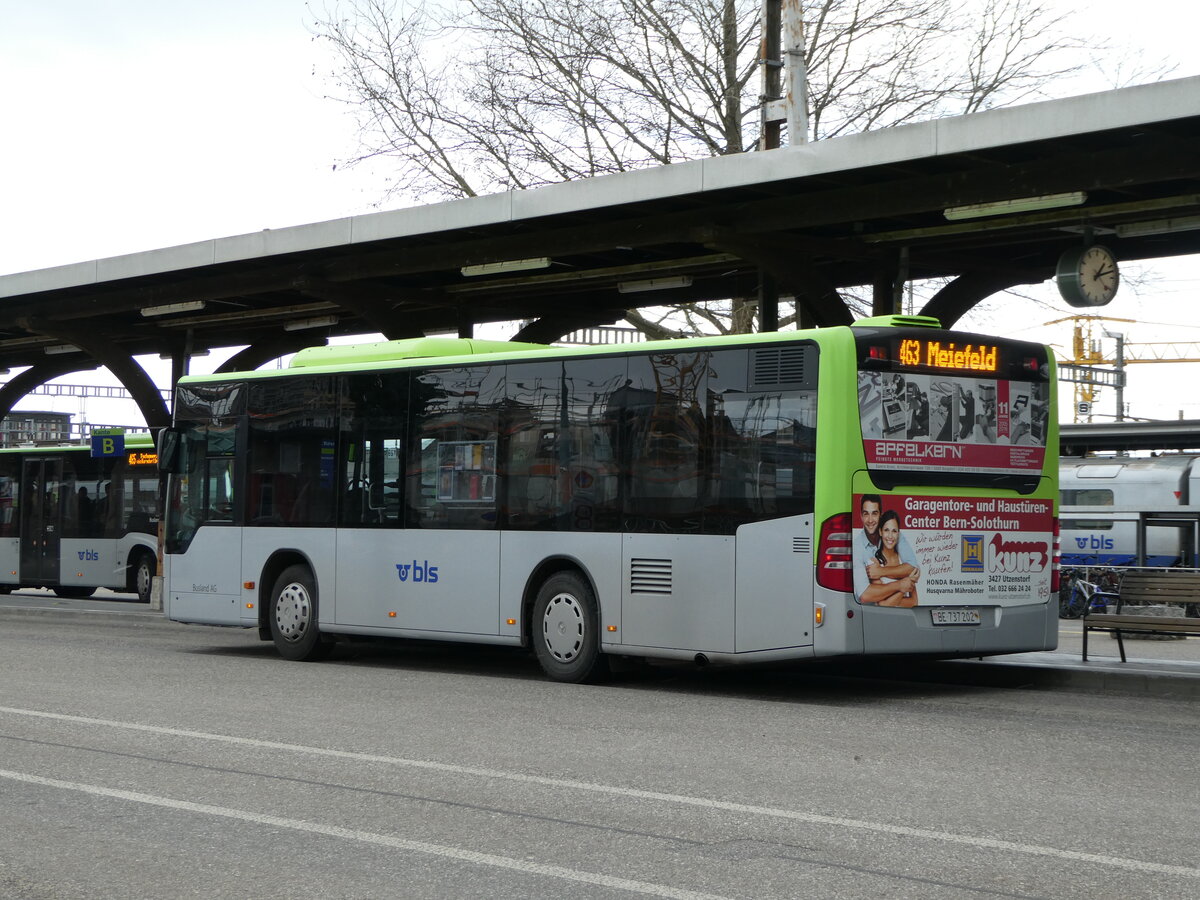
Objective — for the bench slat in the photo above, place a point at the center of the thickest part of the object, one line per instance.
(1143, 623)
(1182, 577)
(1184, 596)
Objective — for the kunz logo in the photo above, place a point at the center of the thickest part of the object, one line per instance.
(89, 555)
(1017, 556)
(420, 571)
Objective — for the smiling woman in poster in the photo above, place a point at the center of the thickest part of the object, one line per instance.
(893, 582)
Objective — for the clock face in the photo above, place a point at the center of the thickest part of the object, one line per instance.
(1088, 276)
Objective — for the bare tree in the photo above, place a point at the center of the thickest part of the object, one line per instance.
(468, 97)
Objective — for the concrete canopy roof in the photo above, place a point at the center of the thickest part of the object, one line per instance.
(866, 209)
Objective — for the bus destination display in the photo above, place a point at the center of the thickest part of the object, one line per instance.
(948, 355)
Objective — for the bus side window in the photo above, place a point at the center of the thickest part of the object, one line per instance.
(455, 424)
(532, 459)
(663, 441)
(292, 459)
(9, 496)
(763, 447)
(373, 416)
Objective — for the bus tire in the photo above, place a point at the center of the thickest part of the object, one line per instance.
(293, 616)
(566, 630)
(141, 579)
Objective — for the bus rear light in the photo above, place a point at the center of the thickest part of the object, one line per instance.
(819, 614)
(1055, 564)
(834, 566)
(1031, 364)
(879, 353)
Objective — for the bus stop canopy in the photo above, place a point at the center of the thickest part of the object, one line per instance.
(990, 201)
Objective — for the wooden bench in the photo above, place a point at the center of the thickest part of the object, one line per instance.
(1159, 588)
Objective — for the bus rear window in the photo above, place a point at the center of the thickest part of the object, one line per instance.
(981, 417)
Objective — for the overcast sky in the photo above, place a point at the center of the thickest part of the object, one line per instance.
(131, 125)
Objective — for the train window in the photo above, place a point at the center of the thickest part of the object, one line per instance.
(1106, 470)
(1087, 524)
(1087, 497)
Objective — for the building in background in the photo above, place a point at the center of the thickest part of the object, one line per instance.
(34, 427)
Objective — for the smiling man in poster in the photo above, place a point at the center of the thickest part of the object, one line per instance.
(884, 573)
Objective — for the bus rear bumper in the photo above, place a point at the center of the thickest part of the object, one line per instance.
(1000, 630)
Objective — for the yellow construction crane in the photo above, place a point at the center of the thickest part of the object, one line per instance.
(1084, 367)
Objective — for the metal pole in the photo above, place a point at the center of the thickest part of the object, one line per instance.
(768, 302)
(1120, 377)
(770, 62)
(783, 45)
(797, 73)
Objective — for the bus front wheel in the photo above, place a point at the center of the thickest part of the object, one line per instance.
(144, 566)
(566, 630)
(293, 616)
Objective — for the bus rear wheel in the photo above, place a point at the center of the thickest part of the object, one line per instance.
(293, 616)
(566, 630)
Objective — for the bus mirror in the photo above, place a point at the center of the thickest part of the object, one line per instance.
(169, 444)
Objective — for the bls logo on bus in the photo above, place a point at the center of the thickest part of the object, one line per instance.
(1094, 542)
(419, 572)
(89, 556)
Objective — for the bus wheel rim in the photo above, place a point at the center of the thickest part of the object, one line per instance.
(563, 627)
(143, 579)
(292, 612)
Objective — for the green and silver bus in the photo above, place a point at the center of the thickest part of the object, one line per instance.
(73, 523)
(885, 488)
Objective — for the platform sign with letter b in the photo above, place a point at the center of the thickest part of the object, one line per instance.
(108, 442)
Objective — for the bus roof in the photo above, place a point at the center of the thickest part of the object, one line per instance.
(449, 351)
(412, 348)
(459, 351)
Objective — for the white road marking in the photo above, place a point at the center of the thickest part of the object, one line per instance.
(367, 837)
(1117, 862)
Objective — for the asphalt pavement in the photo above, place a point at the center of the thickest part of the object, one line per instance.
(1155, 666)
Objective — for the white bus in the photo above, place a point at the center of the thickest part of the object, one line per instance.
(717, 500)
(73, 523)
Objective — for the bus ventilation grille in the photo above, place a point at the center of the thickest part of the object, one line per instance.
(650, 576)
(802, 545)
(779, 367)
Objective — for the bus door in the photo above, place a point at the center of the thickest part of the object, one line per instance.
(41, 520)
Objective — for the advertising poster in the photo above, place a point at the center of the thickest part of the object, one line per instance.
(953, 423)
(916, 550)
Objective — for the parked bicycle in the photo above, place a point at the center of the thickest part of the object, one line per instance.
(1078, 595)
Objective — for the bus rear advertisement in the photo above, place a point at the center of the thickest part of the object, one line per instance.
(887, 487)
